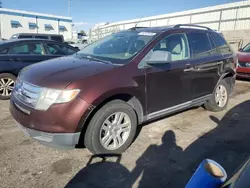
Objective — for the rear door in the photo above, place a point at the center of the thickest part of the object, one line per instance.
(229, 57)
(23, 54)
(205, 64)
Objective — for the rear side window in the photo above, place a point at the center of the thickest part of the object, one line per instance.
(32, 48)
(200, 44)
(221, 43)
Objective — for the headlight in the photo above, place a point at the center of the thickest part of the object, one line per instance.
(52, 96)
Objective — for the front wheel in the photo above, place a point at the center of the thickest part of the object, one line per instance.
(220, 97)
(112, 128)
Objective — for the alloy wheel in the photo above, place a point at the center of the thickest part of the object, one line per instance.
(115, 131)
(221, 95)
(6, 86)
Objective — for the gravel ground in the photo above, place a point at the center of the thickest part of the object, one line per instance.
(165, 153)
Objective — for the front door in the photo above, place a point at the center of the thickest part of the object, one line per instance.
(168, 84)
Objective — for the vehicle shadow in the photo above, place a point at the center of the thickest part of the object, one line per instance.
(168, 165)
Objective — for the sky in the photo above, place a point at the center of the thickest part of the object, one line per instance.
(91, 12)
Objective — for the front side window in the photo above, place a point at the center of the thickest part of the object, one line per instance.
(201, 44)
(32, 48)
(56, 49)
(118, 47)
(176, 45)
(246, 48)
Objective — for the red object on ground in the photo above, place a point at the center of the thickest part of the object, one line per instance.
(243, 69)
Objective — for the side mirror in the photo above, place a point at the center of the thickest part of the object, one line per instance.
(77, 48)
(240, 49)
(159, 57)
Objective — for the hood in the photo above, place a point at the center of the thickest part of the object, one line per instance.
(243, 56)
(58, 73)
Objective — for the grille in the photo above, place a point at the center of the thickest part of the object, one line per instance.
(26, 93)
(244, 64)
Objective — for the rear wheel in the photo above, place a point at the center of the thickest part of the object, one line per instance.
(220, 97)
(112, 128)
(7, 82)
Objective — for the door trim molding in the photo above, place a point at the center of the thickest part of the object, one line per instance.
(166, 111)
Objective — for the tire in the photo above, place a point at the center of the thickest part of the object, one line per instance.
(95, 133)
(212, 104)
(5, 90)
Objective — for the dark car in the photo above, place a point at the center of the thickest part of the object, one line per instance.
(243, 69)
(17, 54)
(55, 37)
(100, 95)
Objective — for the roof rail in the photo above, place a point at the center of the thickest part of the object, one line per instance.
(134, 28)
(191, 25)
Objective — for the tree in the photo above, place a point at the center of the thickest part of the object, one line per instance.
(83, 32)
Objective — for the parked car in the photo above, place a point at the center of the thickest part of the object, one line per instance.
(55, 37)
(101, 94)
(17, 54)
(243, 69)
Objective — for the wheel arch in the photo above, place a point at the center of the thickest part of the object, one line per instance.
(127, 97)
(229, 76)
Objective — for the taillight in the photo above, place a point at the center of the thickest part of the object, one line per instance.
(236, 62)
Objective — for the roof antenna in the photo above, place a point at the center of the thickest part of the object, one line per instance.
(134, 28)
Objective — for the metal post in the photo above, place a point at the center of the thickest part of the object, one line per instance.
(69, 8)
(220, 20)
(36, 25)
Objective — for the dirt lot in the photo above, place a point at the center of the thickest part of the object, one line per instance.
(165, 153)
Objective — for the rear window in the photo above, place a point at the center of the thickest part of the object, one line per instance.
(224, 48)
(200, 44)
(32, 48)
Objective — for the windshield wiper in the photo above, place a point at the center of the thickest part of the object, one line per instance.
(96, 59)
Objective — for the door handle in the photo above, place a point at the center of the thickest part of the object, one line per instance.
(15, 59)
(188, 68)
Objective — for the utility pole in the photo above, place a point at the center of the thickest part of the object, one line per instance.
(69, 8)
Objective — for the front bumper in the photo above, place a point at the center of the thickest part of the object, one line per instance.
(55, 140)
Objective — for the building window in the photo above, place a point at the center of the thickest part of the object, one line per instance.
(15, 24)
(62, 28)
(48, 27)
(32, 25)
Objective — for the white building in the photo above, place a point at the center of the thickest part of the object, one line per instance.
(226, 17)
(15, 21)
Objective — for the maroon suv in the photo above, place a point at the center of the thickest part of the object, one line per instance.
(99, 95)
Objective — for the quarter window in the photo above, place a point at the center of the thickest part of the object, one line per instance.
(32, 48)
(221, 43)
(201, 44)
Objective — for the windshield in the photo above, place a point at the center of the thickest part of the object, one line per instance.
(118, 47)
(246, 48)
